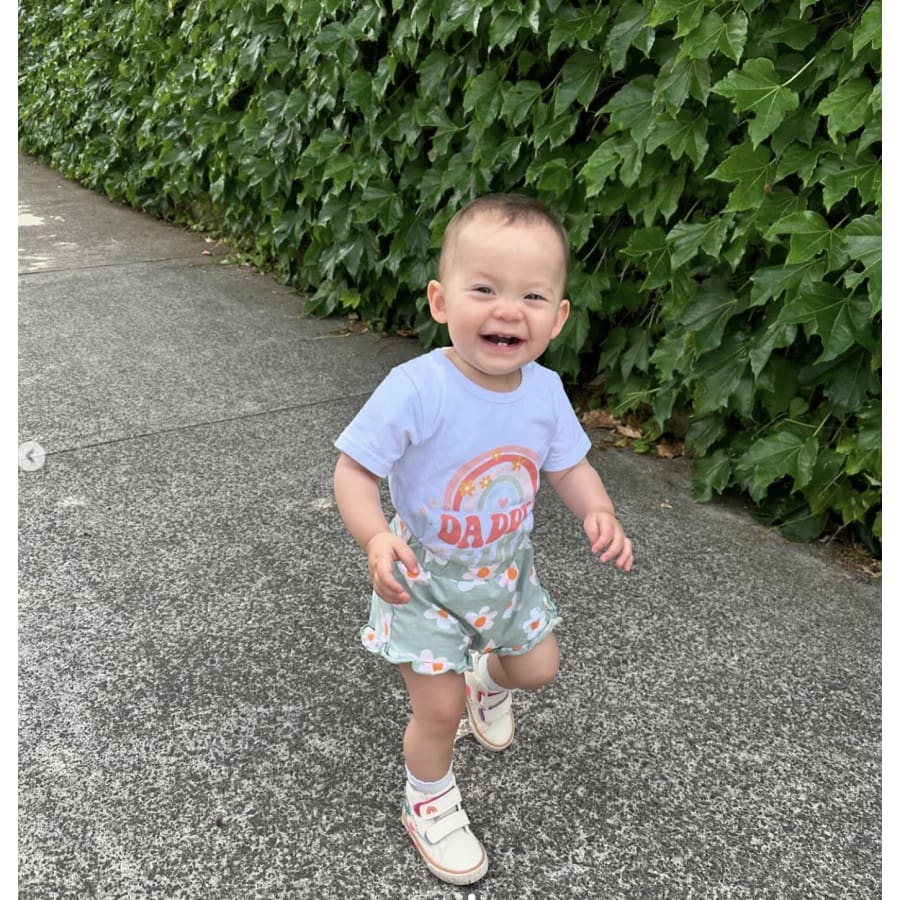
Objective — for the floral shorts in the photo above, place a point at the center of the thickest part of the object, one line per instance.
(454, 610)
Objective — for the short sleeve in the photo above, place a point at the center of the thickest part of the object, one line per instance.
(570, 442)
(387, 424)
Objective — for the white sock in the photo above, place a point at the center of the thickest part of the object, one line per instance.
(481, 670)
(430, 788)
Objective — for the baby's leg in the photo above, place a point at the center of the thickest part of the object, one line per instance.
(528, 672)
(438, 702)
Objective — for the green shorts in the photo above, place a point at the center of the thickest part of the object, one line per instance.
(454, 610)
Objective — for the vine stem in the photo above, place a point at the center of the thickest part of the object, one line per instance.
(799, 72)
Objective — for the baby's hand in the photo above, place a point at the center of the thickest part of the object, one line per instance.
(384, 549)
(605, 534)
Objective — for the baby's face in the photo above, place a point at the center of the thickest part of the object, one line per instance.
(501, 297)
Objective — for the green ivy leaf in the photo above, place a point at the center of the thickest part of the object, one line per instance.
(600, 165)
(719, 373)
(798, 160)
(518, 100)
(504, 28)
(688, 12)
(868, 32)
(861, 241)
(482, 97)
(649, 245)
(769, 283)
(778, 455)
(575, 26)
(712, 474)
(579, 79)
(795, 33)
(757, 88)
(685, 238)
(630, 30)
(825, 310)
(631, 108)
(703, 432)
(683, 135)
(810, 235)
(773, 333)
(847, 107)
(751, 169)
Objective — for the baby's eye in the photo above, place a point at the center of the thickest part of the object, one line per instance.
(482, 289)
(535, 297)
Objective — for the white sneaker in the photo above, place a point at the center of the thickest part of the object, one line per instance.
(490, 715)
(439, 827)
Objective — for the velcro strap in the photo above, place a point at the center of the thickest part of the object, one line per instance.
(450, 823)
(434, 806)
(497, 711)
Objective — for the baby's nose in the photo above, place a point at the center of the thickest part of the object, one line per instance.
(507, 307)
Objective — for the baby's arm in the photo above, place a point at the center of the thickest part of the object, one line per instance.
(583, 492)
(359, 503)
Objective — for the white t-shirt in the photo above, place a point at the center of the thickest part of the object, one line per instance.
(463, 463)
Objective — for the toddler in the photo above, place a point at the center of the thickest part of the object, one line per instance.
(462, 434)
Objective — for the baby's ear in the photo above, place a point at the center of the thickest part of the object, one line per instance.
(561, 315)
(436, 302)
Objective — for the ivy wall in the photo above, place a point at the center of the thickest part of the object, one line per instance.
(717, 165)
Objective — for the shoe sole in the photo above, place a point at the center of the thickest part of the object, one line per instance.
(475, 721)
(451, 876)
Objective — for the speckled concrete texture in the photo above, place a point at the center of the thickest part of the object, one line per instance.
(199, 720)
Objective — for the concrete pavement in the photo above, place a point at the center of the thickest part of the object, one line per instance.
(198, 719)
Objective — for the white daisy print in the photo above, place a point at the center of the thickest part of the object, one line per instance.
(419, 576)
(509, 578)
(483, 620)
(536, 623)
(370, 638)
(475, 576)
(427, 664)
(441, 617)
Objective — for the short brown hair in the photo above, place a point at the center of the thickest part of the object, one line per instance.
(511, 208)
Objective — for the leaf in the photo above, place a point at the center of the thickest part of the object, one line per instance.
(756, 88)
(703, 432)
(838, 318)
(688, 12)
(504, 28)
(849, 383)
(770, 283)
(649, 245)
(629, 30)
(847, 107)
(573, 25)
(750, 168)
(868, 32)
(861, 241)
(810, 235)
(773, 333)
(797, 160)
(631, 108)
(685, 134)
(482, 97)
(712, 474)
(839, 176)
(685, 239)
(718, 374)
(598, 167)
(775, 456)
(792, 32)
(579, 80)
(518, 100)
(734, 37)
(681, 76)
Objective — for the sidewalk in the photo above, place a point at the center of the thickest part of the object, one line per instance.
(198, 719)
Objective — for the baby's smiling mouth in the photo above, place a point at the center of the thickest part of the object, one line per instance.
(502, 340)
